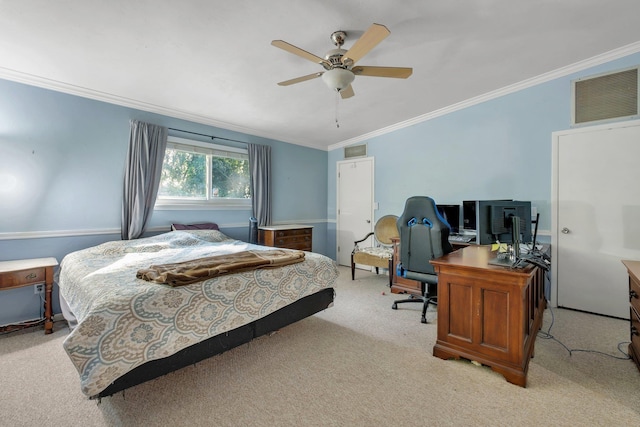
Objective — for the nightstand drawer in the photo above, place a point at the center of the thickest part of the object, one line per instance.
(15, 279)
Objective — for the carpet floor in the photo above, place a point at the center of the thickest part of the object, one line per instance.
(358, 363)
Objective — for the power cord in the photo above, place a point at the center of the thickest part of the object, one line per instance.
(5, 330)
(547, 335)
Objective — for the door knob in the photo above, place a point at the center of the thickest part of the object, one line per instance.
(565, 230)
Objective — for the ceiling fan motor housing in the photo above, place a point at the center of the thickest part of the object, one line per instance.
(334, 56)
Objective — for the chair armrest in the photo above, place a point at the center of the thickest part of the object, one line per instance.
(365, 238)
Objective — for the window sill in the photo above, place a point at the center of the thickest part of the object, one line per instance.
(193, 205)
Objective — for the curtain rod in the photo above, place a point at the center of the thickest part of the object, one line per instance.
(208, 136)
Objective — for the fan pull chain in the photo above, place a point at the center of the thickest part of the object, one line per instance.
(337, 103)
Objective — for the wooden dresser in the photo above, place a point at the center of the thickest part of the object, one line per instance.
(488, 314)
(633, 267)
(287, 236)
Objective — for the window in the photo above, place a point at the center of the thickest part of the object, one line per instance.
(197, 175)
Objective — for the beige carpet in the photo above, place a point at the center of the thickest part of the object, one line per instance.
(359, 363)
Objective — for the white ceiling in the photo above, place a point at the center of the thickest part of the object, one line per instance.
(211, 61)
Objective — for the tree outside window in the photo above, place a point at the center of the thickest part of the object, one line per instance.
(203, 172)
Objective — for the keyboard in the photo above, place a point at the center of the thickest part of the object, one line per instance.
(461, 238)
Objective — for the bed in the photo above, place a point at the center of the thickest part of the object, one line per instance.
(129, 330)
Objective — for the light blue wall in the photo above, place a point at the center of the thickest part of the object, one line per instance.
(61, 167)
(497, 149)
(68, 154)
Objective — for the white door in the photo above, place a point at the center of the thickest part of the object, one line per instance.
(597, 223)
(355, 205)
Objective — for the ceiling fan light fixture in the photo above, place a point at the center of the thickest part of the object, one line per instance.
(338, 78)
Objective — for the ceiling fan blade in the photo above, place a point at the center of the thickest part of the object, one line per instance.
(396, 72)
(374, 35)
(300, 79)
(347, 92)
(300, 52)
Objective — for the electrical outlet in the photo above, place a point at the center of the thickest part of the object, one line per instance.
(38, 289)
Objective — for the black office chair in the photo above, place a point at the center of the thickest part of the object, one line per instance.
(424, 235)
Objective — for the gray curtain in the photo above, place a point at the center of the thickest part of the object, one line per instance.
(260, 163)
(147, 144)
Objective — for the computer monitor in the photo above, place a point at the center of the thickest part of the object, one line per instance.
(469, 214)
(451, 214)
(509, 221)
(475, 214)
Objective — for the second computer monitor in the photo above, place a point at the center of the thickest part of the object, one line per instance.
(501, 222)
(477, 218)
(451, 213)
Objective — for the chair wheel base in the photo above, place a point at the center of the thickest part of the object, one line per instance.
(423, 320)
(394, 306)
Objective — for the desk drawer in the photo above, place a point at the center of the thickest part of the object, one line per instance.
(16, 279)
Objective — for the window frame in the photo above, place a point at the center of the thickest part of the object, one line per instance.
(190, 145)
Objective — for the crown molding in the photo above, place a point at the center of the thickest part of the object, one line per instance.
(69, 89)
(525, 84)
(33, 80)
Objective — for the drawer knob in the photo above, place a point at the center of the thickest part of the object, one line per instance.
(633, 294)
(31, 276)
(634, 331)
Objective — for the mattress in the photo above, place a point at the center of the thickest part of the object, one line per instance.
(124, 322)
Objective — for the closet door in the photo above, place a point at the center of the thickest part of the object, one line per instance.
(355, 205)
(597, 216)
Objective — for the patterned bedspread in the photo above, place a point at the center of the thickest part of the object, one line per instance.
(124, 322)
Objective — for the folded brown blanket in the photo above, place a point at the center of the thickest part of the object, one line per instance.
(184, 273)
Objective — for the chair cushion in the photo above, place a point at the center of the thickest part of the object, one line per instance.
(376, 257)
(379, 251)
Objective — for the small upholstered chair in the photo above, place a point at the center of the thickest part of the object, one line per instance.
(381, 253)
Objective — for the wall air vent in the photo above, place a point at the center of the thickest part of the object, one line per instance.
(355, 151)
(605, 97)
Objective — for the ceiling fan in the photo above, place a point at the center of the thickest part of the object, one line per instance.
(339, 64)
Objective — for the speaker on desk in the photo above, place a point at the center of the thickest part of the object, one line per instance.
(253, 230)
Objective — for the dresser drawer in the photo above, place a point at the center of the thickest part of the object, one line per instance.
(16, 279)
(296, 237)
(635, 331)
(297, 232)
(634, 293)
(284, 240)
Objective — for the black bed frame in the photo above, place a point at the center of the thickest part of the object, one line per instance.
(298, 310)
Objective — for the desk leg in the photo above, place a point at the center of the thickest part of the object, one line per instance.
(48, 310)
